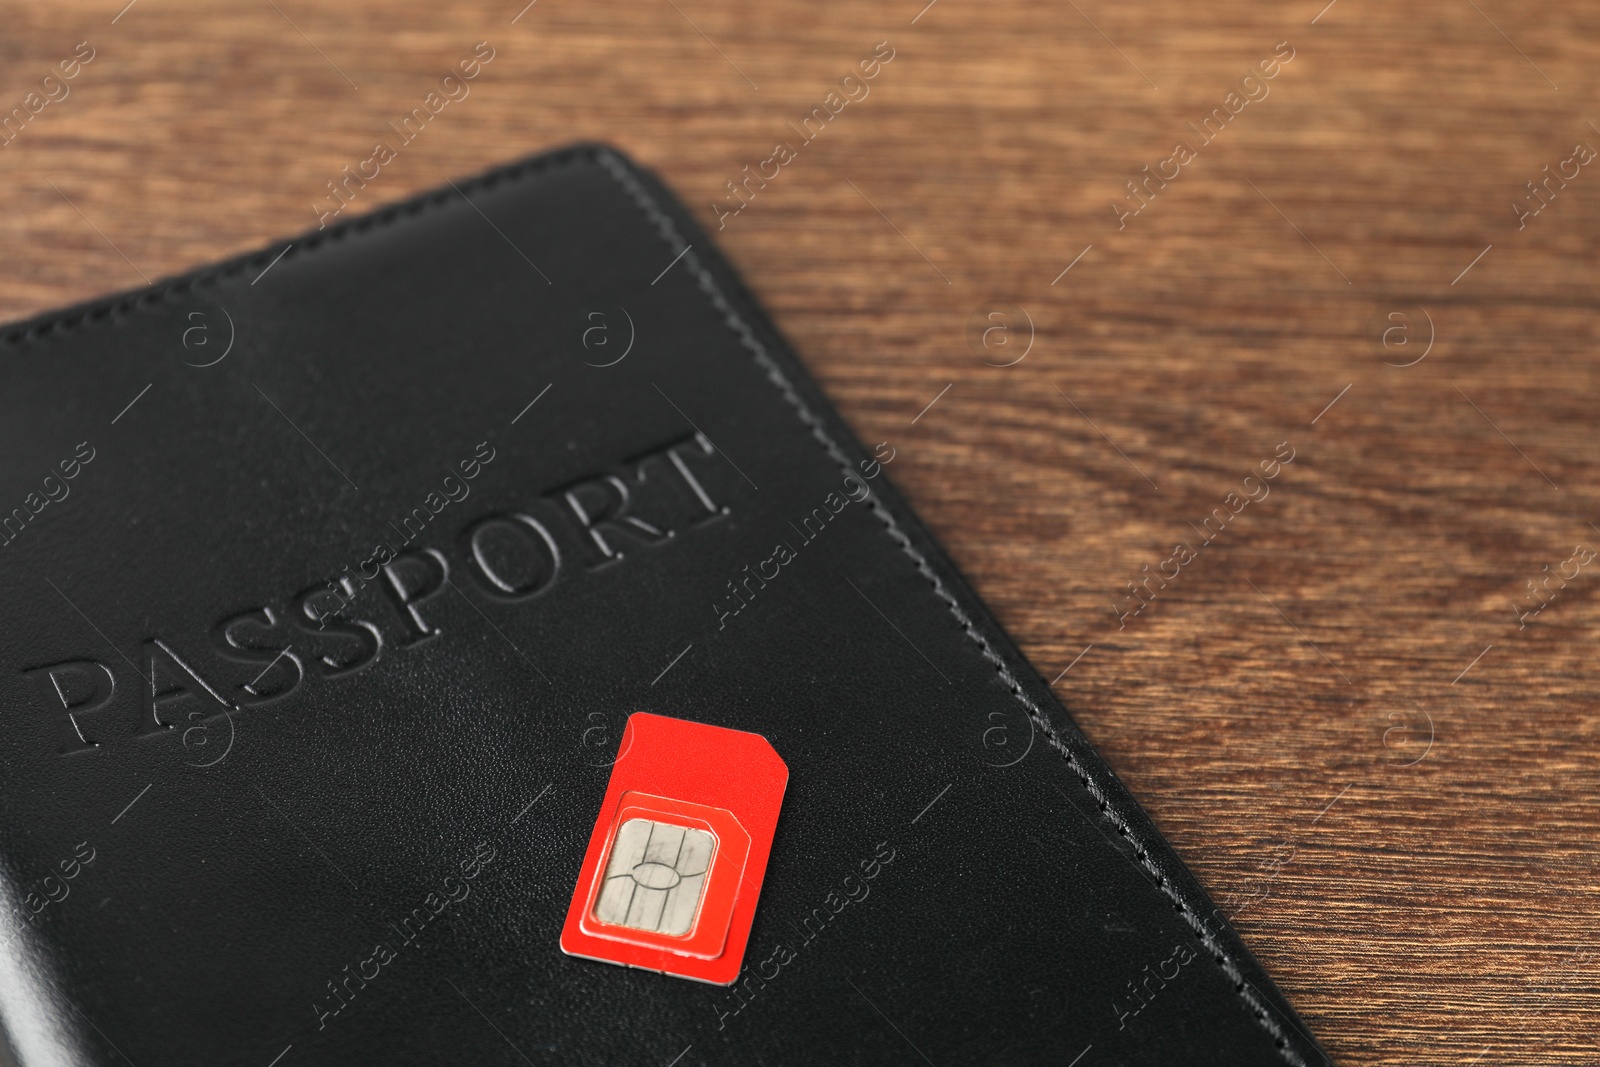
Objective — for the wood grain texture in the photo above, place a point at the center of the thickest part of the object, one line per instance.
(1272, 704)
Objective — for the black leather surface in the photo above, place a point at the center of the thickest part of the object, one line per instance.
(956, 878)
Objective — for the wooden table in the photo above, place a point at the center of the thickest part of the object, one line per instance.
(1341, 709)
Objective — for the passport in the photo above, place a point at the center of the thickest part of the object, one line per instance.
(333, 578)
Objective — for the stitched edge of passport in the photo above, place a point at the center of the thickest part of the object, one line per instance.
(620, 170)
(110, 309)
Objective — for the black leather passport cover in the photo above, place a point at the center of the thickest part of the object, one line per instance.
(267, 800)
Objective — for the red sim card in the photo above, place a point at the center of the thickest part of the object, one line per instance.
(675, 863)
